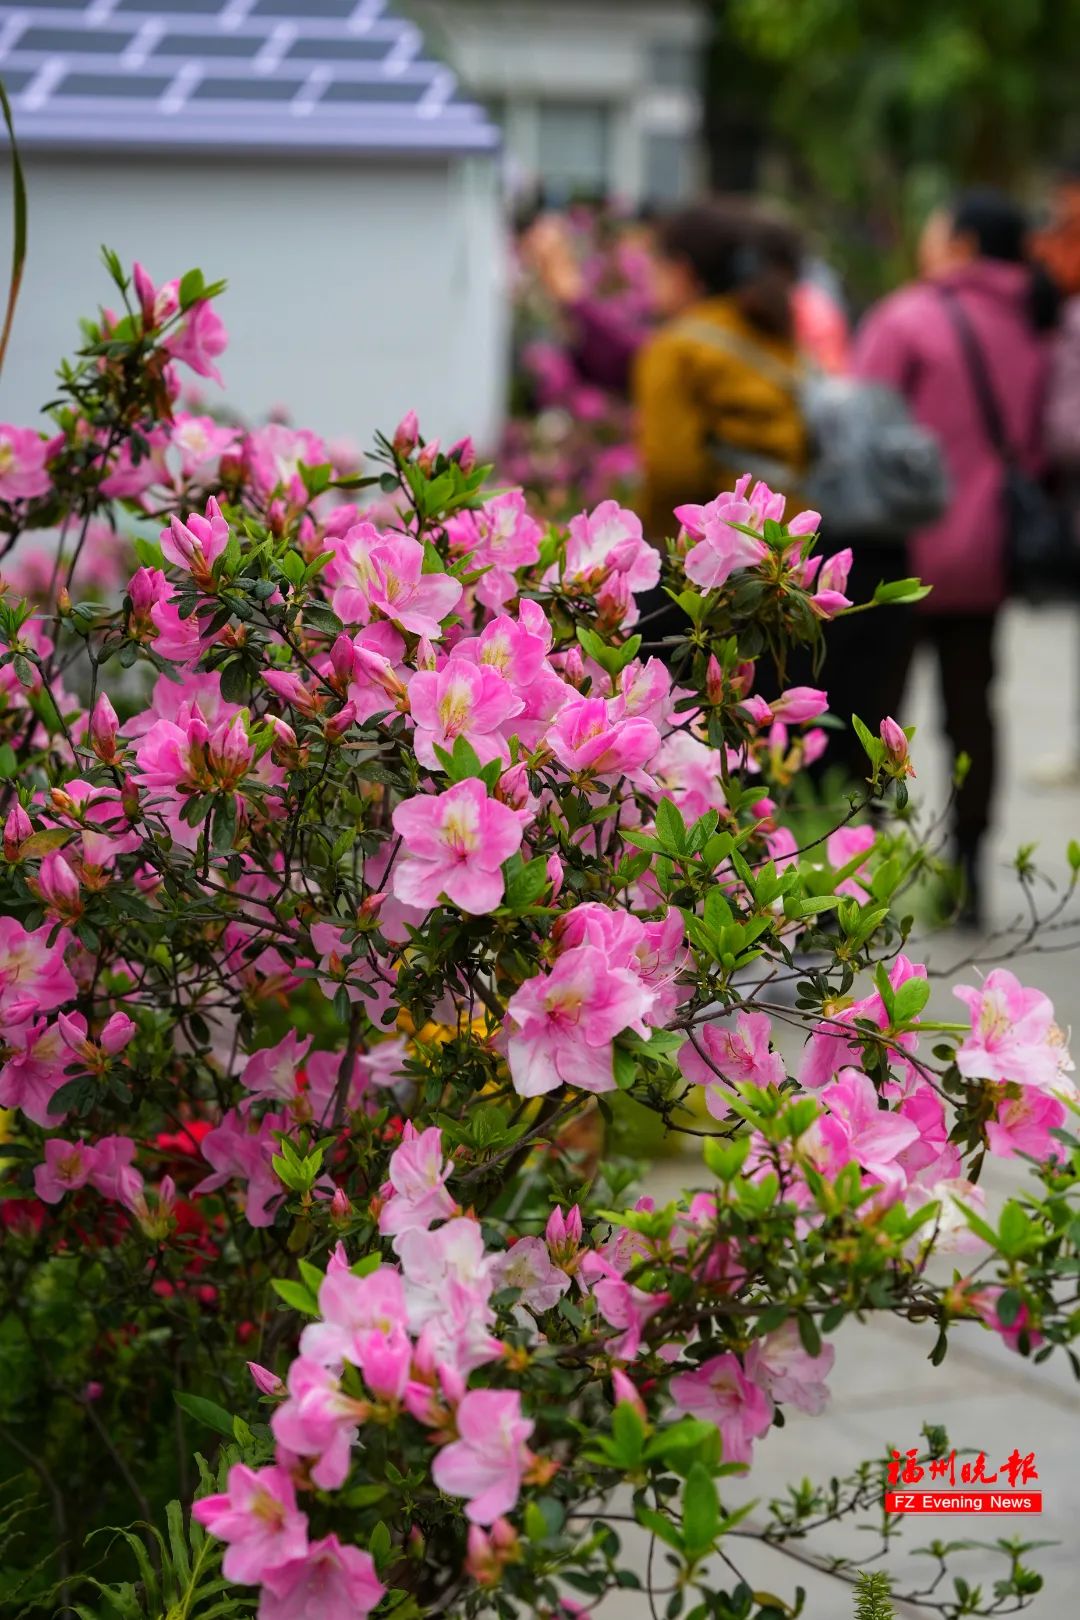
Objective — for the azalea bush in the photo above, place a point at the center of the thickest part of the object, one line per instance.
(363, 854)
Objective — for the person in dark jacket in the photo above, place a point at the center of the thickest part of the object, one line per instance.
(972, 253)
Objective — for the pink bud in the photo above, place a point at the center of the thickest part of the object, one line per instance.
(103, 729)
(267, 1382)
(93, 1391)
(625, 1392)
(555, 875)
(58, 886)
(805, 523)
(72, 1027)
(343, 657)
(464, 453)
(118, 1032)
(17, 829)
(894, 739)
(406, 434)
(835, 571)
(340, 1208)
(757, 710)
(801, 703)
(428, 456)
(145, 292)
(714, 680)
(338, 724)
(129, 798)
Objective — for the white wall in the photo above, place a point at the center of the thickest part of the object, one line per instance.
(355, 292)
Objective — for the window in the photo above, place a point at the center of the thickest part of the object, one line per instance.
(573, 147)
(667, 167)
(674, 66)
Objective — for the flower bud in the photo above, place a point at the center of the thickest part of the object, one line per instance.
(117, 1033)
(896, 746)
(406, 435)
(555, 875)
(17, 829)
(428, 456)
(103, 728)
(340, 1208)
(337, 725)
(714, 680)
(464, 453)
(267, 1382)
(57, 885)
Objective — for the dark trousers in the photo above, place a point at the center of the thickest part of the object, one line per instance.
(867, 661)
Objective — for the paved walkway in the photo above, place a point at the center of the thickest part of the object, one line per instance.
(883, 1386)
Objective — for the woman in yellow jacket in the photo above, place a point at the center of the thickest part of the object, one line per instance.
(716, 387)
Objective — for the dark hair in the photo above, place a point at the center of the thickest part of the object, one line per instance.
(999, 226)
(734, 247)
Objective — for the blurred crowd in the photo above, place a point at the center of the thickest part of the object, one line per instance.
(658, 359)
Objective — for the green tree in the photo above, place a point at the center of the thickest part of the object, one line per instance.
(878, 109)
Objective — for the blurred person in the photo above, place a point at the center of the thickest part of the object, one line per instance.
(1057, 249)
(976, 292)
(604, 329)
(716, 386)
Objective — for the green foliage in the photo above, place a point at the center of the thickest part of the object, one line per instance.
(872, 1597)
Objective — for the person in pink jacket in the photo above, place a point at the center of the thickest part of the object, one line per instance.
(972, 253)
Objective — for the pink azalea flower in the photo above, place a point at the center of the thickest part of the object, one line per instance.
(984, 1302)
(67, 1167)
(858, 1130)
(258, 1517)
(111, 1171)
(462, 700)
(1013, 1034)
(500, 537)
(400, 591)
(527, 1265)
(841, 849)
(720, 549)
(34, 1071)
(23, 474)
(319, 1420)
(273, 1070)
(33, 974)
(689, 773)
(199, 340)
(454, 843)
(835, 1042)
(243, 1148)
(197, 544)
(486, 1463)
(611, 539)
(566, 1021)
(417, 1195)
(1023, 1125)
(332, 1582)
(720, 1392)
(432, 1261)
(386, 1361)
(594, 737)
(739, 1056)
(627, 1308)
(351, 1308)
(780, 1366)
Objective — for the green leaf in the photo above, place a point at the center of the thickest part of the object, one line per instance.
(901, 590)
(628, 1432)
(670, 827)
(700, 1512)
(659, 1526)
(910, 1000)
(296, 1295)
(192, 287)
(18, 230)
(207, 1412)
(526, 885)
(323, 618)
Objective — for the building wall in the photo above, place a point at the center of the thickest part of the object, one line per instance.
(616, 75)
(355, 292)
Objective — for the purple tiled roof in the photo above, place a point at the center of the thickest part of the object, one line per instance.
(230, 75)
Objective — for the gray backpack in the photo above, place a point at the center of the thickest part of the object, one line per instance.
(875, 475)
